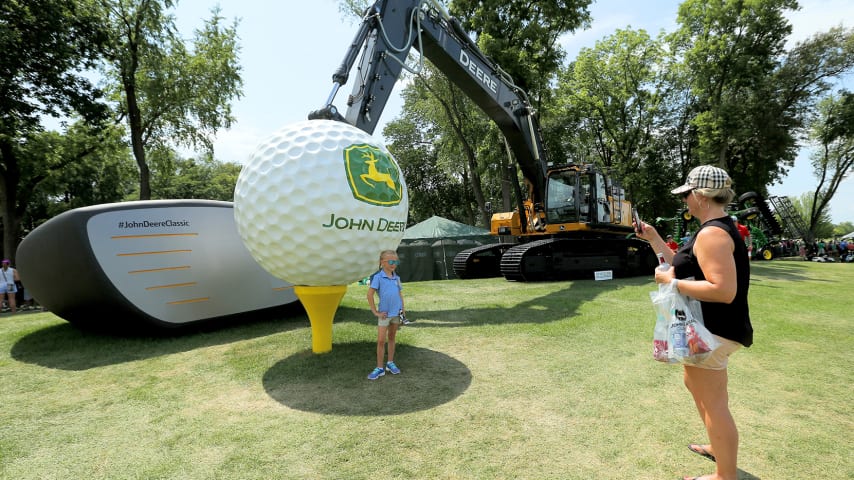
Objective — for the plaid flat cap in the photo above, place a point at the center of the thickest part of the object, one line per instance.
(705, 176)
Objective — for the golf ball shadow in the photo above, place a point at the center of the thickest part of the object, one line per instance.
(336, 383)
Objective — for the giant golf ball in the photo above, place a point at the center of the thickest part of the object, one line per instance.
(318, 202)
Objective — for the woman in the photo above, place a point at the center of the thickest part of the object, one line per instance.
(9, 289)
(713, 268)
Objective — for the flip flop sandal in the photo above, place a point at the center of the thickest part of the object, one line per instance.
(699, 450)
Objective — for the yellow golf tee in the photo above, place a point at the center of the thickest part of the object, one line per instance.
(321, 303)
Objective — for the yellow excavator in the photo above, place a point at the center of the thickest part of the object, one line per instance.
(573, 219)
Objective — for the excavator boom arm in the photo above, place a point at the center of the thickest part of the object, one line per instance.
(390, 28)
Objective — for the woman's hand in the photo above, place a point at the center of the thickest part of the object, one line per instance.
(645, 231)
(664, 276)
(650, 234)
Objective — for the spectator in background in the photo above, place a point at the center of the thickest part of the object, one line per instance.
(10, 277)
(27, 302)
(671, 243)
(744, 233)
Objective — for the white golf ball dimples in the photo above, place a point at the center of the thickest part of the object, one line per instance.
(318, 202)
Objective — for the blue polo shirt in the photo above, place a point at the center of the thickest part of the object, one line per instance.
(388, 289)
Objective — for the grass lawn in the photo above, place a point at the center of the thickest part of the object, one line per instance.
(500, 380)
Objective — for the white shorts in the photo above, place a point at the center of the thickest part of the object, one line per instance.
(384, 323)
(720, 356)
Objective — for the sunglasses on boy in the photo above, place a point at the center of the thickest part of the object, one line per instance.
(393, 262)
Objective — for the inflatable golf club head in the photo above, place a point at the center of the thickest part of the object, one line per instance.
(146, 265)
(315, 205)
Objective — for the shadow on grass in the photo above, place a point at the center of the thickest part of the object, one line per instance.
(66, 347)
(555, 306)
(742, 475)
(336, 383)
(783, 270)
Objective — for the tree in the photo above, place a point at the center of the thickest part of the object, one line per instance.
(456, 128)
(47, 47)
(833, 161)
(522, 37)
(167, 93)
(731, 48)
(203, 178)
(353, 9)
(432, 191)
(462, 128)
(84, 166)
(843, 228)
(821, 226)
(751, 97)
(613, 92)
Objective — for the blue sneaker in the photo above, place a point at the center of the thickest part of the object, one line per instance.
(376, 373)
(392, 368)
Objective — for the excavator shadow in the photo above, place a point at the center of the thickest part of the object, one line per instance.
(467, 303)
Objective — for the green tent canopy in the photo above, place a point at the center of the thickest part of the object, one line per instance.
(437, 227)
(428, 248)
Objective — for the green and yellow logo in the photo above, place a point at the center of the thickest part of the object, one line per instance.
(373, 175)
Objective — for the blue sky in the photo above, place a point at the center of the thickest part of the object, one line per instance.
(290, 49)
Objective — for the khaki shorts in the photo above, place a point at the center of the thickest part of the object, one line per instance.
(720, 356)
(384, 323)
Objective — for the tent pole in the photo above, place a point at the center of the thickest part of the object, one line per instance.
(444, 259)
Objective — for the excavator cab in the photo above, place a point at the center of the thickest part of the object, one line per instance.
(580, 195)
(563, 197)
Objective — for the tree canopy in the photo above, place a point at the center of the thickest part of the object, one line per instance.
(723, 88)
(169, 93)
(523, 37)
(48, 46)
(832, 130)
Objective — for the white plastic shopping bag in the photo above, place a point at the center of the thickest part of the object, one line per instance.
(679, 335)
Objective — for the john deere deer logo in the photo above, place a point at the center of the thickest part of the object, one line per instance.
(373, 175)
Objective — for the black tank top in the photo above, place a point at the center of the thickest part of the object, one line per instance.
(727, 320)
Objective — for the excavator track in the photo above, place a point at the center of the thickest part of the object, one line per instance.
(480, 262)
(568, 258)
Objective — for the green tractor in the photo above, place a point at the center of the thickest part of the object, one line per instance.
(769, 221)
